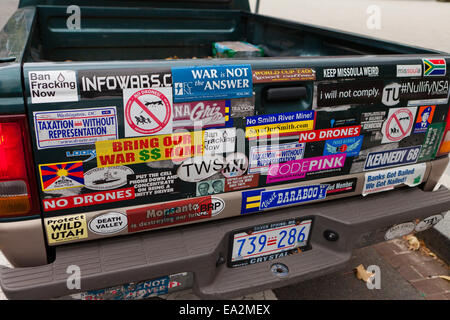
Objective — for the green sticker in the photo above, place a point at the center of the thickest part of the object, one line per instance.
(432, 141)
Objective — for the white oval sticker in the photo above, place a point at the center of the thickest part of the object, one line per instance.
(218, 206)
(399, 230)
(108, 223)
(106, 178)
(199, 168)
(428, 222)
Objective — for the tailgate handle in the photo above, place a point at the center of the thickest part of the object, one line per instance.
(286, 93)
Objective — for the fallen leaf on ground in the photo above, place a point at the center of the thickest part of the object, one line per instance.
(445, 277)
(363, 274)
(413, 242)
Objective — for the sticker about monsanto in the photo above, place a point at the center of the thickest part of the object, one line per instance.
(56, 176)
(65, 128)
(434, 67)
(147, 111)
(212, 82)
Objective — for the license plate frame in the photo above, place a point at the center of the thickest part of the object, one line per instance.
(266, 228)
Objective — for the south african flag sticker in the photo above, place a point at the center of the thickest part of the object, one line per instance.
(56, 176)
(434, 67)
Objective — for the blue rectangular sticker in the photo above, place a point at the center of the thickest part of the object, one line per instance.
(284, 197)
(212, 82)
(391, 158)
(279, 118)
(351, 146)
(250, 201)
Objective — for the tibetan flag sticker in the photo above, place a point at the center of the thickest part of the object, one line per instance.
(56, 176)
(434, 67)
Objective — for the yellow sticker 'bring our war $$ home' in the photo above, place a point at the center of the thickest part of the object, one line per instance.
(176, 146)
(66, 228)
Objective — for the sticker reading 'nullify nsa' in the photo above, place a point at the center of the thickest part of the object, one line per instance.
(212, 82)
(65, 128)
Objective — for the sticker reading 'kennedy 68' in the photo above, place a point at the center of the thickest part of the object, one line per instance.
(65, 128)
(391, 158)
(212, 82)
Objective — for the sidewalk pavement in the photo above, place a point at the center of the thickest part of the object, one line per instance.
(419, 23)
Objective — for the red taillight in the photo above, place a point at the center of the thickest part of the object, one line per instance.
(18, 195)
(445, 144)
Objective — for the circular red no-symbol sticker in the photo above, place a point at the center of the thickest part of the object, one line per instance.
(399, 125)
(148, 111)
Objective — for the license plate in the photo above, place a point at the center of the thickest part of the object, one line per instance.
(269, 241)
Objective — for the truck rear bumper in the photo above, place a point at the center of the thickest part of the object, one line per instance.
(202, 249)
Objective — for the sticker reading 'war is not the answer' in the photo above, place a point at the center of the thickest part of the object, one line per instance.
(212, 82)
(64, 128)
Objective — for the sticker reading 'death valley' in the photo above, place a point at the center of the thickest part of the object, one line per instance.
(212, 82)
(351, 146)
(399, 230)
(155, 183)
(173, 213)
(64, 175)
(284, 197)
(332, 133)
(297, 169)
(88, 199)
(219, 140)
(434, 67)
(177, 146)
(147, 111)
(377, 181)
(261, 157)
(66, 228)
(107, 83)
(108, 223)
(200, 114)
(106, 178)
(424, 119)
(202, 167)
(282, 75)
(53, 86)
(391, 158)
(398, 124)
(351, 72)
(281, 124)
(64, 128)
